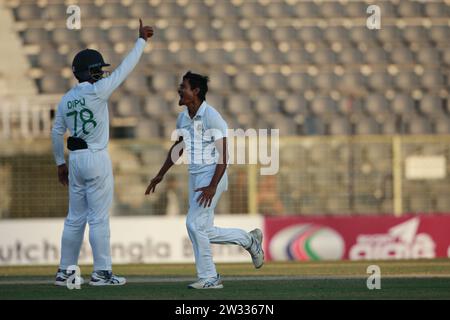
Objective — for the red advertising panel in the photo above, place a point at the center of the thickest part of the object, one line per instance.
(356, 238)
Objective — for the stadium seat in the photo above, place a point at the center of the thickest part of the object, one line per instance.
(148, 129)
(415, 34)
(163, 82)
(352, 83)
(366, 126)
(295, 104)
(196, 9)
(428, 56)
(410, 9)
(407, 81)
(431, 106)
(432, 80)
(89, 11)
(53, 84)
(162, 57)
(271, 56)
(440, 34)
(51, 60)
(216, 101)
(402, 104)
(322, 105)
(326, 81)
(299, 81)
(387, 9)
(251, 9)
(204, 33)
(231, 32)
(266, 103)
(246, 81)
(258, 33)
(187, 56)
(224, 9)
(113, 10)
(355, 9)
(284, 34)
(376, 56)
(27, 12)
(239, 104)
(141, 10)
(336, 34)
(339, 126)
(324, 56)
(168, 9)
(136, 83)
(311, 34)
(155, 106)
(64, 35)
(376, 104)
(437, 10)
(389, 34)
(362, 34)
(91, 35)
(219, 81)
(36, 36)
(299, 56)
(350, 56)
(121, 34)
(215, 57)
(306, 9)
(331, 9)
(402, 55)
(418, 125)
(278, 10)
(244, 56)
(128, 106)
(176, 33)
(380, 81)
(273, 82)
(53, 12)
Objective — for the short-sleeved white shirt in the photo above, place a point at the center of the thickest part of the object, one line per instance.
(199, 135)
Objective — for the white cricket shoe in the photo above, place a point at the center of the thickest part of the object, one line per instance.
(255, 249)
(63, 275)
(106, 278)
(207, 283)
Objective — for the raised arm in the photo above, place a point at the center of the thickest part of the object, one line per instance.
(106, 86)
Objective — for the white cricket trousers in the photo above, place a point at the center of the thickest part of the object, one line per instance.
(91, 187)
(201, 229)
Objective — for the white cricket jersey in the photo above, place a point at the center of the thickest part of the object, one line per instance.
(84, 109)
(199, 135)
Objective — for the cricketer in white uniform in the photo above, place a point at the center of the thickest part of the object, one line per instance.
(84, 112)
(202, 135)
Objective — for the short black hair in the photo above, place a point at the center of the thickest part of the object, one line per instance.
(198, 81)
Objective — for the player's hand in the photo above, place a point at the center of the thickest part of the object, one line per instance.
(145, 32)
(206, 196)
(151, 187)
(63, 174)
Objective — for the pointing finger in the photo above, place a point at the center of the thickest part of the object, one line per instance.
(140, 23)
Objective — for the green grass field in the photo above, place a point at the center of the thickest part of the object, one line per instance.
(418, 279)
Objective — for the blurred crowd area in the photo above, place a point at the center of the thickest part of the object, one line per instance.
(305, 67)
(317, 176)
(352, 104)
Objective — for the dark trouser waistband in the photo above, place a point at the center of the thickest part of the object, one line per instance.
(75, 143)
